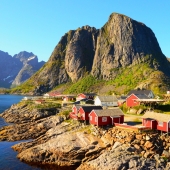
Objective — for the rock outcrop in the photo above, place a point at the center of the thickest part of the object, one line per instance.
(55, 142)
(28, 123)
(80, 52)
(122, 42)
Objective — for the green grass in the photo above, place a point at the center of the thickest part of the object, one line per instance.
(31, 105)
(83, 85)
(124, 80)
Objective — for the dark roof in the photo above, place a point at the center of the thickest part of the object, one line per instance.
(77, 106)
(89, 94)
(77, 102)
(122, 98)
(109, 112)
(146, 92)
(90, 108)
(142, 96)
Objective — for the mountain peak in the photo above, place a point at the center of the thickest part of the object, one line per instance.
(103, 53)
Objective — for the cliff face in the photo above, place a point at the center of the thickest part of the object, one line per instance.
(120, 43)
(123, 42)
(15, 70)
(80, 52)
(71, 59)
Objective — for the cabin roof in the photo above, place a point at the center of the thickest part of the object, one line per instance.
(157, 116)
(146, 92)
(107, 98)
(109, 112)
(77, 106)
(88, 94)
(142, 96)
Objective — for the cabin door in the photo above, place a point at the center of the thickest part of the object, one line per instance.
(154, 124)
(116, 120)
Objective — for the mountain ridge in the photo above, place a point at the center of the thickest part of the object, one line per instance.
(17, 69)
(104, 54)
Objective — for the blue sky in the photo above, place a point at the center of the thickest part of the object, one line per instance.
(38, 25)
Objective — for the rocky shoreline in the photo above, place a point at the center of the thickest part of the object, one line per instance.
(58, 141)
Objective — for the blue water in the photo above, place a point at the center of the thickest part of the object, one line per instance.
(8, 160)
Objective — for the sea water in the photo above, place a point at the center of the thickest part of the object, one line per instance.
(8, 159)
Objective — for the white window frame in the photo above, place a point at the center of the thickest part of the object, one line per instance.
(104, 119)
(90, 118)
(160, 124)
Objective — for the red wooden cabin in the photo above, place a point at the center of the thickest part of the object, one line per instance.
(74, 113)
(106, 117)
(131, 100)
(156, 121)
(83, 113)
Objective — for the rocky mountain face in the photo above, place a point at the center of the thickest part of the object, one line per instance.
(122, 42)
(17, 69)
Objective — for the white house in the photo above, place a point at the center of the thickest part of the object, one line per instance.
(106, 101)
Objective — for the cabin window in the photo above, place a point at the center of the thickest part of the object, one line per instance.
(95, 119)
(160, 123)
(104, 119)
(91, 118)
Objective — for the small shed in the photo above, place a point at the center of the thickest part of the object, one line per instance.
(106, 116)
(158, 121)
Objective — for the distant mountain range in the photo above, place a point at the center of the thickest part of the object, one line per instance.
(17, 69)
(122, 55)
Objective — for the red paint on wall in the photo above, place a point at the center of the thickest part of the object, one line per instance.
(131, 101)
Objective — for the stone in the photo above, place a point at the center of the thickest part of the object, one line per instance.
(148, 144)
(116, 144)
(142, 142)
(166, 153)
(131, 149)
(139, 136)
(146, 154)
(147, 137)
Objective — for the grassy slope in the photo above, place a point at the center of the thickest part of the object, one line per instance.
(127, 78)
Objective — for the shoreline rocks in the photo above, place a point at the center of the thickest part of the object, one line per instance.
(57, 141)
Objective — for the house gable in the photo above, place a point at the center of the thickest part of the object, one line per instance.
(130, 100)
